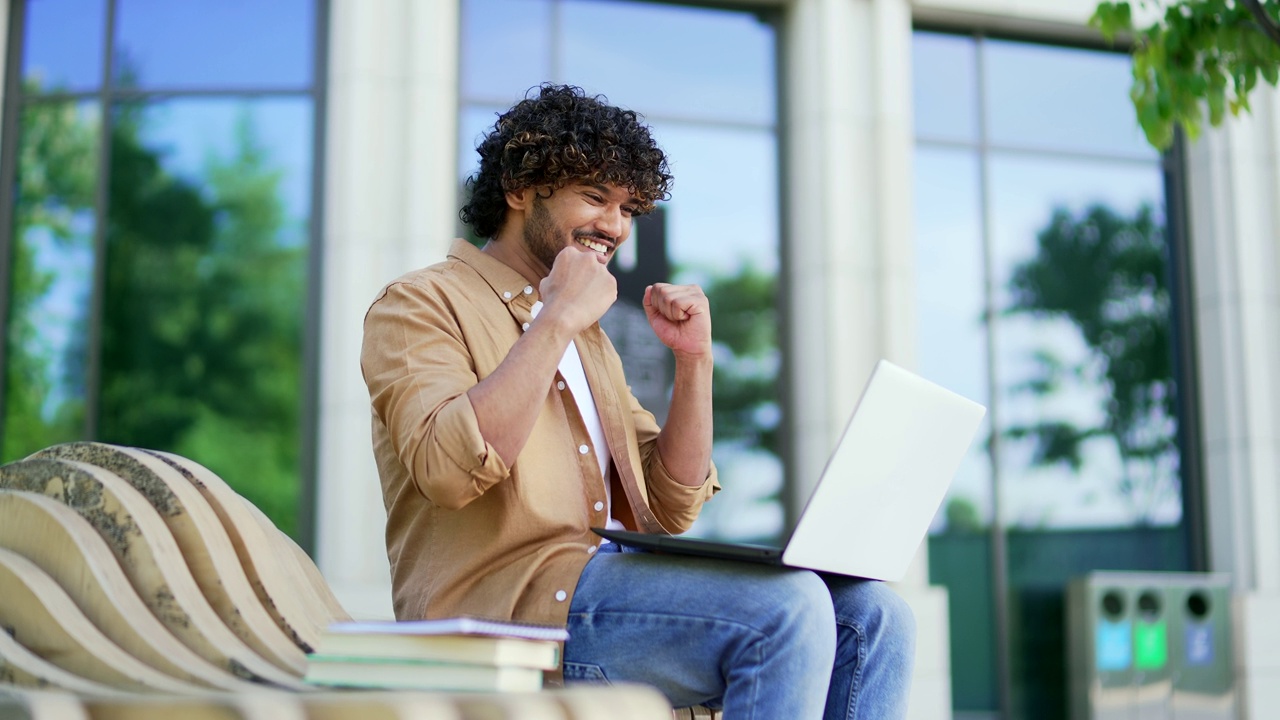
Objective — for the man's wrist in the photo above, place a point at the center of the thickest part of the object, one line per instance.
(695, 362)
(555, 325)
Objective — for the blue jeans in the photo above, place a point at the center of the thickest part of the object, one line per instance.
(759, 642)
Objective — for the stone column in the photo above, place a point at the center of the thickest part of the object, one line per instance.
(390, 206)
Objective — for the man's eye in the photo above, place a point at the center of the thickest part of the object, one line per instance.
(630, 210)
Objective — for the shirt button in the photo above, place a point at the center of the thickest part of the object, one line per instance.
(524, 326)
(560, 385)
(599, 506)
(506, 295)
(592, 550)
(528, 289)
(561, 595)
(582, 449)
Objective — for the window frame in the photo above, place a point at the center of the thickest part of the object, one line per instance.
(1172, 165)
(106, 94)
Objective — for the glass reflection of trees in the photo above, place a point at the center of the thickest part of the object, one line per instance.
(747, 414)
(201, 326)
(1106, 274)
(44, 399)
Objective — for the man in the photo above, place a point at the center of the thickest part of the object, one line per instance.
(504, 430)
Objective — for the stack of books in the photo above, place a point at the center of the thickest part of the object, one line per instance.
(463, 654)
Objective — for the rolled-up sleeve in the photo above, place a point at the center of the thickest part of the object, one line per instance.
(418, 371)
(674, 504)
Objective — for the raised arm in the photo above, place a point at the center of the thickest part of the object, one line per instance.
(575, 295)
(680, 316)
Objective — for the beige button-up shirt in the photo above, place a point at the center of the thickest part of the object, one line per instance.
(466, 533)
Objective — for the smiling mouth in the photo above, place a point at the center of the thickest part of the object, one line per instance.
(593, 245)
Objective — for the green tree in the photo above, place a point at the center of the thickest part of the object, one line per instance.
(963, 516)
(745, 324)
(201, 345)
(57, 155)
(1106, 274)
(1197, 53)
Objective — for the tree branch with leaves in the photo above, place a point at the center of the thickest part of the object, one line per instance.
(1198, 53)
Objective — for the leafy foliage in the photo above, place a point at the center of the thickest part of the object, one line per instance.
(55, 195)
(1209, 52)
(744, 320)
(202, 313)
(1106, 274)
(202, 335)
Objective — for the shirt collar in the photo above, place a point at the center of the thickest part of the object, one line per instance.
(509, 285)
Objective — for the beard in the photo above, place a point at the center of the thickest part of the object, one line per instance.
(540, 234)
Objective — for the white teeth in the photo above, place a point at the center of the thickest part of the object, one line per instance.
(598, 247)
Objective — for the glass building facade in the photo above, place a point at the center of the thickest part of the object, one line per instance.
(163, 190)
(1046, 276)
(160, 192)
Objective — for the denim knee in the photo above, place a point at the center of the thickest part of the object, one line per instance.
(807, 612)
(881, 614)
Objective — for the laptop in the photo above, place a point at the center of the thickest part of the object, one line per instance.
(880, 489)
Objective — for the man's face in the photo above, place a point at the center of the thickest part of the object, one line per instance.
(586, 217)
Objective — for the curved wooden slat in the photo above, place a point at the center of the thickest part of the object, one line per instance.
(321, 604)
(256, 705)
(509, 706)
(316, 580)
(70, 550)
(150, 557)
(274, 578)
(205, 544)
(45, 620)
(28, 704)
(616, 702)
(379, 706)
(21, 668)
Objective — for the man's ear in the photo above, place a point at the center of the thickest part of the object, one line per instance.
(520, 199)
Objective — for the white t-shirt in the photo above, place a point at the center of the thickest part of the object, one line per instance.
(576, 378)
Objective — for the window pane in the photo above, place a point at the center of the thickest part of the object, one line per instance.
(476, 120)
(723, 234)
(1083, 342)
(724, 201)
(951, 304)
(214, 43)
(1061, 98)
(1088, 457)
(206, 276)
(51, 277)
(506, 49)
(671, 60)
(945, 81)
(950, 301)
(1078, 311)
(62, 47)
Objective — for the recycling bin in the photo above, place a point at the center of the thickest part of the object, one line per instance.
(1200, 643)
(1150, 646)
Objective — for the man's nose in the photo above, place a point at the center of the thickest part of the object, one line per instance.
(613, 222)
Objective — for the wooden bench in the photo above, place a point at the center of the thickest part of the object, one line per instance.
(138, 584)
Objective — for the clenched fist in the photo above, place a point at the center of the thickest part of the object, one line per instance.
(680, 316)
(579, 289)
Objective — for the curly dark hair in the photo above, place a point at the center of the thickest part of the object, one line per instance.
(559, 137)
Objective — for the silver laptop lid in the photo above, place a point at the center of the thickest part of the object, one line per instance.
(886, 479)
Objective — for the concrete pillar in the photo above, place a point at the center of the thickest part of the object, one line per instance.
(849, 245)
(1233, 178)
(390, 207)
